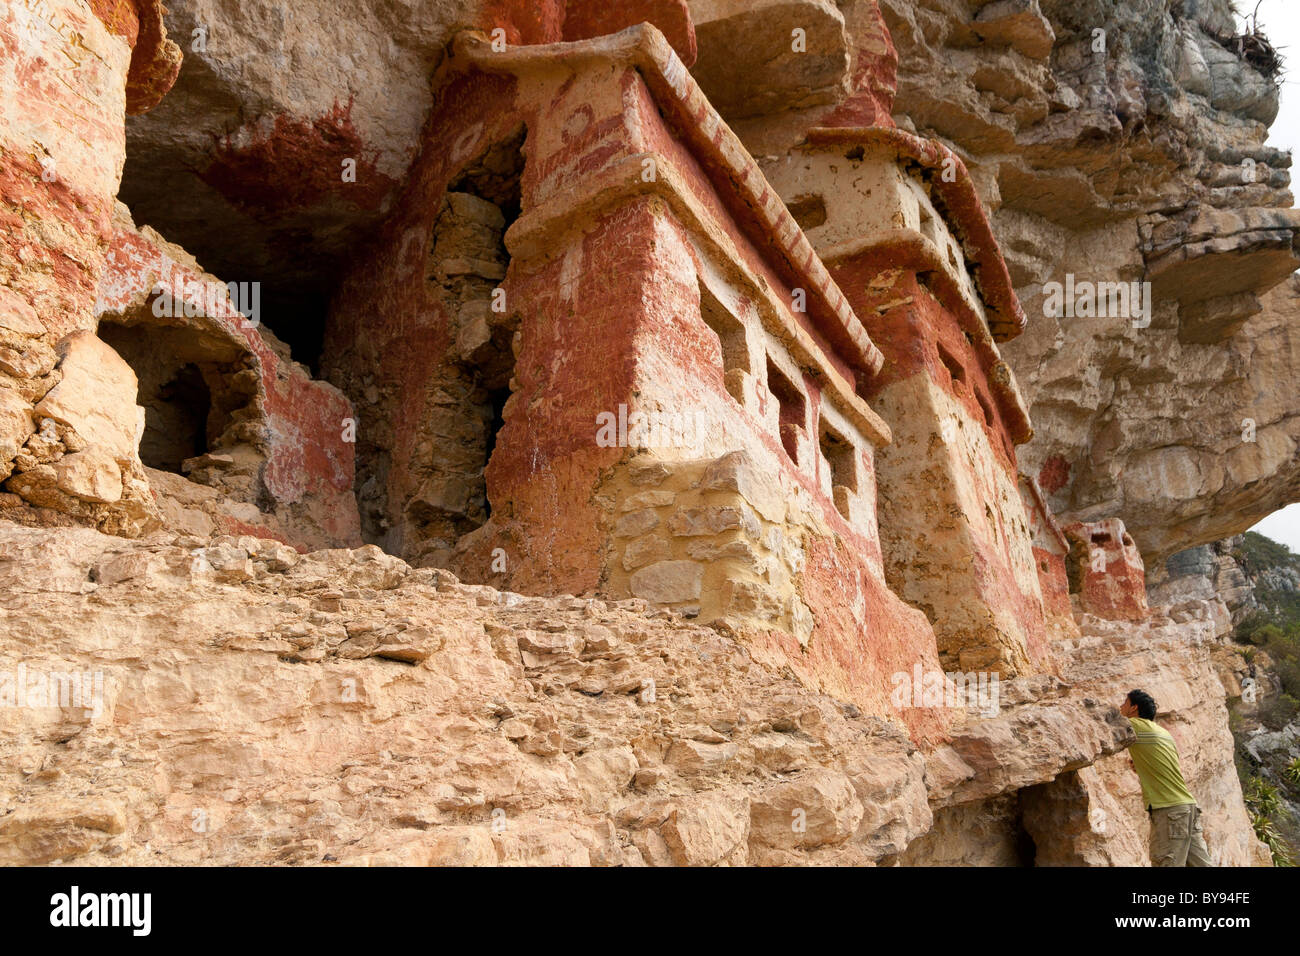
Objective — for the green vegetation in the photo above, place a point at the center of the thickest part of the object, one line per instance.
(1267, 815)
(1263, 797)
(1293, 771)
(1280, 639)
(1258, 553)
(1272, 632)
(1268, 834)
(1275, 627)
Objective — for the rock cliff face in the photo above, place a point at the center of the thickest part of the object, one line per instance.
(1111, 146)
(239, 703)
(988, 302)
(271, 101)
(1257, 581)
(1122, 145)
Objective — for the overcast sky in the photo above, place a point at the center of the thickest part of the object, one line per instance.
(1281, 22)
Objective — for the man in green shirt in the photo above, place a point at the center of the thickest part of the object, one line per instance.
(1176, 835)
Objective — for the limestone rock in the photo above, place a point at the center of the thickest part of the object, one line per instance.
(90, 476)
(447, 741)
(783, 69)
(15, 427)
(465, 724)
(60, 829)
(739, 472)
(95, 396)
(669, 582)
(710, 830)
(1016, 23)
(812, 810)
(1191, 199)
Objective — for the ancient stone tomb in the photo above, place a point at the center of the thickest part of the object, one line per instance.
(595, 349)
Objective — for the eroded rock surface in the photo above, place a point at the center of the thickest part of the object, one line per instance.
(224, 691)
(1113, 145)
(1122, 144)
(240, 703)
(272, 99)
(343, 706)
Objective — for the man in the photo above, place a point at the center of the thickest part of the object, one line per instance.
(1176, 835)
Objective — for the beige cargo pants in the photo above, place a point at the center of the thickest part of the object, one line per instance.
(1177, 838)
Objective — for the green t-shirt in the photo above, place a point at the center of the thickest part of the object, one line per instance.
(1156, 759)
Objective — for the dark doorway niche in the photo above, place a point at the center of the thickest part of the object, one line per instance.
(792, 410)
(1025, 848)
(1077, 561)
(842, 460)
(298, 320)
(497, 399)
(176, 420)
(195, 394)
(732, 341)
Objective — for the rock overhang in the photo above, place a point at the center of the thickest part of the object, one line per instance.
(155, 59)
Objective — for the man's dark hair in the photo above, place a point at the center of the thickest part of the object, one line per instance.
(1144, 702)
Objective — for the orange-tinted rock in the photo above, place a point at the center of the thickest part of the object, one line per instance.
(742, 428)
(1107, 570)
(584, 19)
